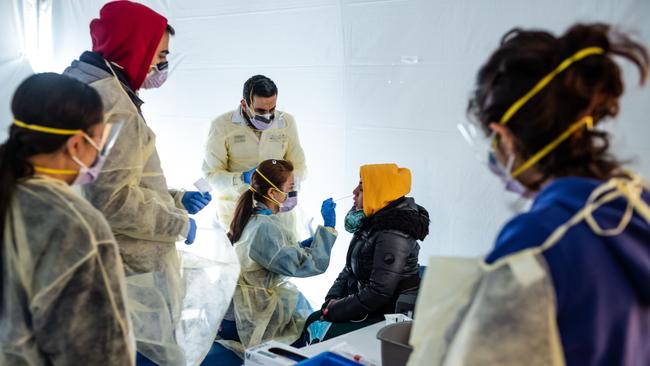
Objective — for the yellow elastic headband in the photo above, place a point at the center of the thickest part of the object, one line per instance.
(267, 179)
(40, 169)
(44, 129)
(587, 120)
(585, 52)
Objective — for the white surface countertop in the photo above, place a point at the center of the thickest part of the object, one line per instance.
(364, 342)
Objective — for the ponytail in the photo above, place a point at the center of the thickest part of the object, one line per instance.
(243, 213)
(7, 184)
(13, 166)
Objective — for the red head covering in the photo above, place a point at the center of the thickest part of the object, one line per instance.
(128, 34)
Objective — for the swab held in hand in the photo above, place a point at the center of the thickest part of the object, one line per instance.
(343, 198)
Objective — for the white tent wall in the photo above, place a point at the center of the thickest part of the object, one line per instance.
(14, 65)
(368, 82)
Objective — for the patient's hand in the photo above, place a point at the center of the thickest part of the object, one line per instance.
(327, 308)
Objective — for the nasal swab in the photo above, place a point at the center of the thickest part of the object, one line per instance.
(343, 198)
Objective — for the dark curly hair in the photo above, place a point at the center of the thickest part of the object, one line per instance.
(589, 87)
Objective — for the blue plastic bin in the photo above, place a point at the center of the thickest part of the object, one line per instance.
(328, 359)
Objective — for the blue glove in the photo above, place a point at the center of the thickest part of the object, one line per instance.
(328, 213)
(306, 243)
(191, 235)
(195, 201)
(246, 176)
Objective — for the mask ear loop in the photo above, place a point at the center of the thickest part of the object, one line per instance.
(509, 165)
(91, 142)
(249, 106)
(506, 169)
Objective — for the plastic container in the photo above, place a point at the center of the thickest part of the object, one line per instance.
(328, 359)
(395, 348)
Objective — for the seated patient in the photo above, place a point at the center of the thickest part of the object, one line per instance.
(382, 260)
(265, 305)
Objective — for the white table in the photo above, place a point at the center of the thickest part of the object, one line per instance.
(364, 341)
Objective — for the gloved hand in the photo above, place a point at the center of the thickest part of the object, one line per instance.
(327, 303)
(246, 176)
(306, 243)
(191, 234)
(195, 201)
(326, 308)
(328, 213)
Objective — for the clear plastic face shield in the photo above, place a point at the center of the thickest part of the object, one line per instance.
(480, 143)
(483, 146)
(108, 138)
(106, 141)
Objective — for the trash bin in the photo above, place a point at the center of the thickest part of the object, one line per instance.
(395, 348)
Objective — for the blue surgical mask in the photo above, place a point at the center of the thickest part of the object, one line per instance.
(317, 330)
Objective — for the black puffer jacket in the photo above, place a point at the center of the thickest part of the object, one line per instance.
(382, 263)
